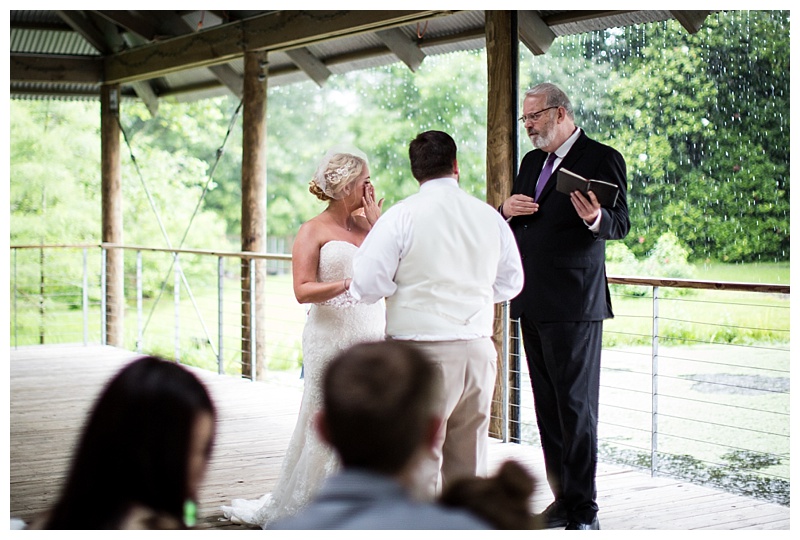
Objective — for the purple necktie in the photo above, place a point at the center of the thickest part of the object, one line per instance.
(544, 176)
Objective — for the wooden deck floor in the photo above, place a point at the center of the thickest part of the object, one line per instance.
(52, 388)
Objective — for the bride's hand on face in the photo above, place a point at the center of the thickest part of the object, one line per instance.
(372, 209)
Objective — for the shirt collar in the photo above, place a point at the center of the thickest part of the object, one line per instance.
(564, 149)
(439, 182)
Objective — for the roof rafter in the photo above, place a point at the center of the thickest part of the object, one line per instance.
(534, 32)
(402, 46)
(692, 21)
(274, 31)
(312, 66)
(87, 29)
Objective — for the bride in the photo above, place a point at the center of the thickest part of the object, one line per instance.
(322, 258)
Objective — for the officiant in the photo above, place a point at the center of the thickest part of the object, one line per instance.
(565, 298)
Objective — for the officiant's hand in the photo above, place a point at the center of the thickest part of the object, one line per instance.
(587, 208)
(519, 205)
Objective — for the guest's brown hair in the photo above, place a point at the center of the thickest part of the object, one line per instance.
(378, 403)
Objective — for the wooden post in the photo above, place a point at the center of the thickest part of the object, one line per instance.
(111, 183)
(502, 48)
(254, 205)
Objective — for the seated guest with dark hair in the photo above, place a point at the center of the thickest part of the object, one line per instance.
(142, 453)
(378, 415)
(503, 500)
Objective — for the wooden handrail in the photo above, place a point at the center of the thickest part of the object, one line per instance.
(700, 284)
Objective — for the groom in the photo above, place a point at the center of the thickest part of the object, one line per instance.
(442, 259)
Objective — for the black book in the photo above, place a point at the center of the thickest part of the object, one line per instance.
(605, 192)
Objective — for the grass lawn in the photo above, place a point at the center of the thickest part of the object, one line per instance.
(767, 273)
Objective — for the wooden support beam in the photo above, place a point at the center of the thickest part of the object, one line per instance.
(229, 78)
(534, 32)
(254, 207)
(310, 65)
(403, 47)
(111, 194)
(692, 21)
(145, 92)
(25, 67)
(502, 62)
(279, 30)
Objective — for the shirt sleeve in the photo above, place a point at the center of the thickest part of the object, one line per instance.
(376, 261)
(510, 276)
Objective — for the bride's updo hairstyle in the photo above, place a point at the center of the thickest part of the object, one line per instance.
(336, 171)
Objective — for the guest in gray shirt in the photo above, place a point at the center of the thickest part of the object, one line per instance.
(378, 415)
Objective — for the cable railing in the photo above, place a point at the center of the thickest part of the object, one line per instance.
(694, 378)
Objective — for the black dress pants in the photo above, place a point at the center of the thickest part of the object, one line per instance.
(564, 364)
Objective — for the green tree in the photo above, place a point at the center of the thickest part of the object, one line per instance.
(702, 120)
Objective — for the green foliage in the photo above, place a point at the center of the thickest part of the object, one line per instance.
(702, 120)
(667, 259)
(54, 191)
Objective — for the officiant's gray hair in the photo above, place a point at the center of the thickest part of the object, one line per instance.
(555, 97)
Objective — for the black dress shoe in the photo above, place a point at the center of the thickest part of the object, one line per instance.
(553, 517)
(578, 526)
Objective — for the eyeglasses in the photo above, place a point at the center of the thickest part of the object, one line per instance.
(533, 117)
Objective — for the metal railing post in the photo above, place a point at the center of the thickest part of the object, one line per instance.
(103, 301)
(85, 298)
(654, 389)
(15, 297)
(253, 357)
(139, 302)
(220, 295)
(177, 296)
(505, 364)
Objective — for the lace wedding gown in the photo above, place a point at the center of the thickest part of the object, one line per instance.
(331, 327)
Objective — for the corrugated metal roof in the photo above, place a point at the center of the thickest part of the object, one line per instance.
(51, 35)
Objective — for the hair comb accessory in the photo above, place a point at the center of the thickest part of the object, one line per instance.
(328, 180)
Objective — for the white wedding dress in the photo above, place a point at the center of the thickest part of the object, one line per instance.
(331, 327)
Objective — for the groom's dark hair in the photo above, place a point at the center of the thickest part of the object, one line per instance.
(378, 401)
(432, 154)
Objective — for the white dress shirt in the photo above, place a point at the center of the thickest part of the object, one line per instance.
(376, 261)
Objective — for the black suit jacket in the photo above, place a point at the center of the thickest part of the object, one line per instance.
(564, 262)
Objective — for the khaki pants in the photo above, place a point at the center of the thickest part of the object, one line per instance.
(468, 370)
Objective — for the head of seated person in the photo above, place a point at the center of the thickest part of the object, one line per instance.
(379, 406)
(142, 453)
(502, 499)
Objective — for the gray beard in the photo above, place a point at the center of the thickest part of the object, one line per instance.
(541, 140)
